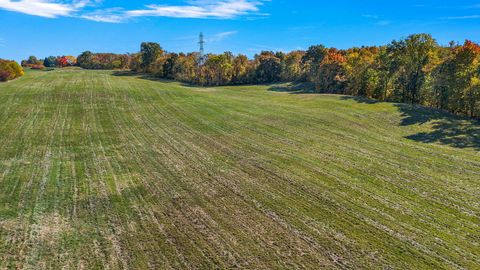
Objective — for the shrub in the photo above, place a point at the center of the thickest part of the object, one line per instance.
(4, 75)
(37, 67)
(10, 70)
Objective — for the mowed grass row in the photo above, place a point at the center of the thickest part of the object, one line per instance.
(103, 171)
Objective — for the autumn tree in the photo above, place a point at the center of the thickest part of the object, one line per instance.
(241, 69)
(330, 73)
(89, 60)
(362, 77)
(268, 68)
(292, 68)
(186, 67)
(62, 61)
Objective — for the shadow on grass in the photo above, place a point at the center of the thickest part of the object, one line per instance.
(446, 128)
(360, 99)
(294, 88)
(143, 76)
(149, 77)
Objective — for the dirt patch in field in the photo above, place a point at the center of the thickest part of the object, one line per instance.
(51, 227)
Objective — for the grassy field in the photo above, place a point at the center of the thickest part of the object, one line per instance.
(105, 171)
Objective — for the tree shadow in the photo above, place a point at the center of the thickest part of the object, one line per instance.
(360, 99)
(415, 114)
(125, 73)
(459, 135)
(294, 88)
(447, 129)
(147, 76)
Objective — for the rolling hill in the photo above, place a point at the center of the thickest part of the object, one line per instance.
(102, 169)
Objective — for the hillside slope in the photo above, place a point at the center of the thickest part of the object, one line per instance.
(98, 170)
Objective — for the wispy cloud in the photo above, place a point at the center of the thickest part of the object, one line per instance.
(208, 38)
(2, 42)
(377, 19)
(225, 9)
(370, 16)
(112, 15)
(220, 36)
(383, 23)
(467, 17)
(199, 9)
(259, 47)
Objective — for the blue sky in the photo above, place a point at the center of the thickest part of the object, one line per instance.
(68, 27)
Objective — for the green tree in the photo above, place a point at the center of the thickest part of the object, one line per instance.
(457, 81)
(150, 52)
(412, 57)
(50, 61)
(31, 61)
(311, 61)
(168, 66)
(85, 60)
(218, 69)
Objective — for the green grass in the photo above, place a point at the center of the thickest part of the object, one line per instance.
(103, 171)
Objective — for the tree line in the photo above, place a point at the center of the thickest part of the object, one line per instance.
(415, 70)
(50, 62)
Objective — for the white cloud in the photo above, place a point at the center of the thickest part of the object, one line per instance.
(214, 9)
(43, 8)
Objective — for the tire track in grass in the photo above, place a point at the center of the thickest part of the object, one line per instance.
(155, 175)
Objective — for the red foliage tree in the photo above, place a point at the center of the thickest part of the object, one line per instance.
(62, 61)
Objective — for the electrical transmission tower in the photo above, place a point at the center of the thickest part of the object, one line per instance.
(201, 55)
